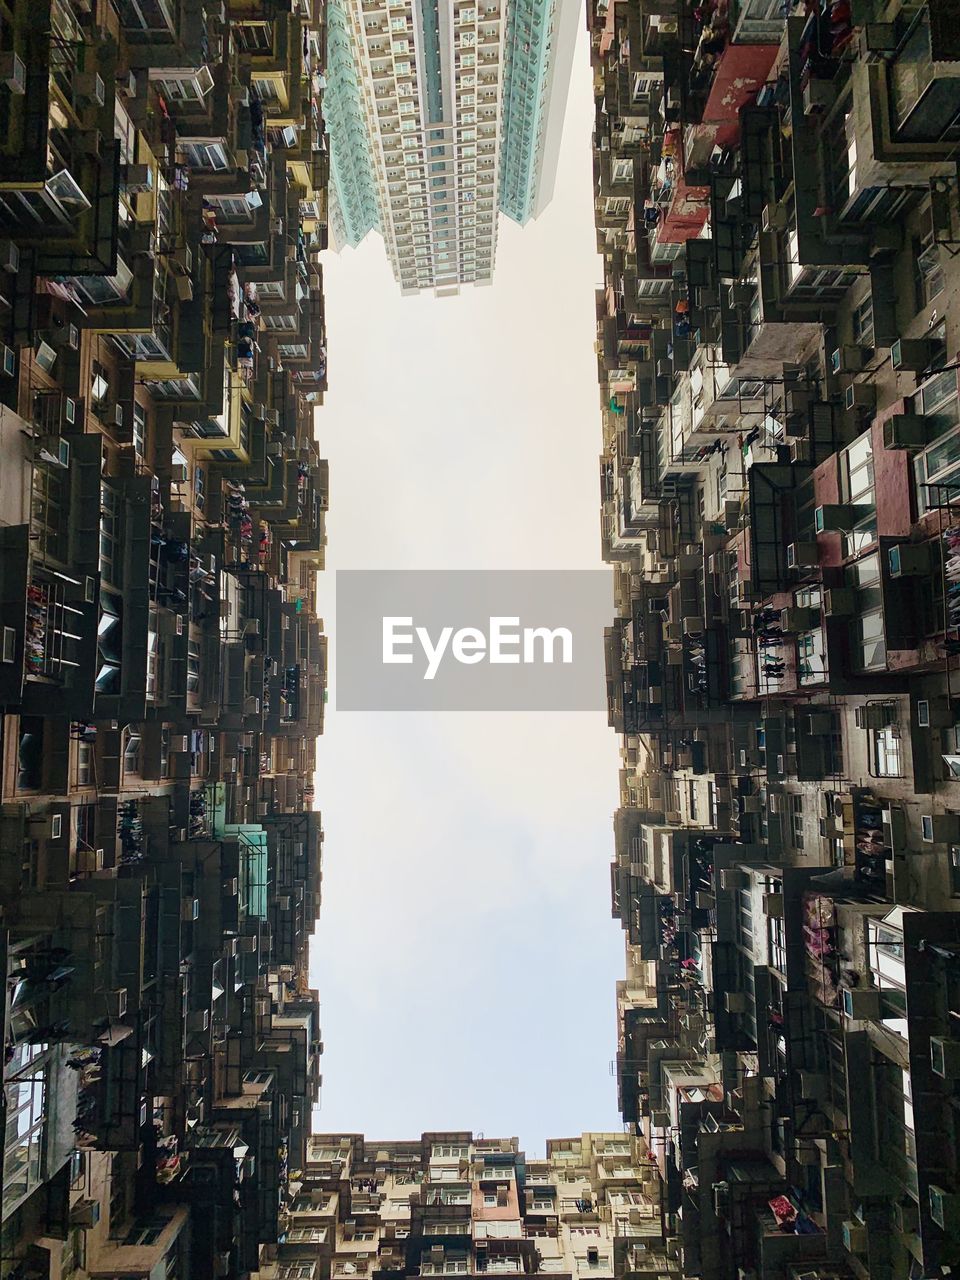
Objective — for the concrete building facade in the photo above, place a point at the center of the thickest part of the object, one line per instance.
(776, 204)
(163, 204)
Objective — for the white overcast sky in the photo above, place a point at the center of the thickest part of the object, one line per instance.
(466, 956)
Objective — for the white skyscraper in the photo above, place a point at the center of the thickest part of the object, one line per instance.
(442, 112)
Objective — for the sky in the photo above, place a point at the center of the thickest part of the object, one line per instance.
(466, 956)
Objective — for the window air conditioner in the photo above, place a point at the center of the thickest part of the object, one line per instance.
(860, 1002)
(85, 1214)
(838, 602)
(944, 1208)
(799, 618)
(54, 450)
(733, 878)
(940, 828)
(818, 723)
(914, 355)
(116, 1002)
(13, 72)
(905, 431)
(802, 555)
(854, 1237)
(860, 395)
(945, 1057)
(851, 359)
(839, 517)
(909, 560)
(89, 86)
(9, 256)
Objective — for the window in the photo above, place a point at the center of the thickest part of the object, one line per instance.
(795, 803)
(862, 323)
(929, 269)
(857, 486)
(109, 533)
(886, 753)
(940, 461)
(206, 155)
(139, 428)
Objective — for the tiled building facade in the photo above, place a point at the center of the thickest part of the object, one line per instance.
(777, 339)
(163, 185)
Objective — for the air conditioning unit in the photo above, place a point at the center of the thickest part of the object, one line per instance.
(850, 359)
(180, 743)
(945, 1057)
(178, 473)
(251, 706)
(838, 602)
(940, 828)
(839, 517)
(89, 87)
(85, 1214)
(272, 417)
(860, 395)
(799, 618)
(773, 217)
(860, 1002)
(9, 256)
(909, 560)
(905, 431)
(876, 715)
(53, 450)
(854, 1236)
(914, 355)
(906, 1216)
(818, 96)
(818, 723)
(802, 555)
(944, 1208)
(813, 1085)
(138, 179)
(773, 906)
(735, 1001)
(800, 451)
(116, 1002)
(733, 878)
(881, 37)
(13, 72)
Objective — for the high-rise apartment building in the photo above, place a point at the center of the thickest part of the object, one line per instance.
(163, 185)
(455, 1204)
(442, 115)
(777, 207)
